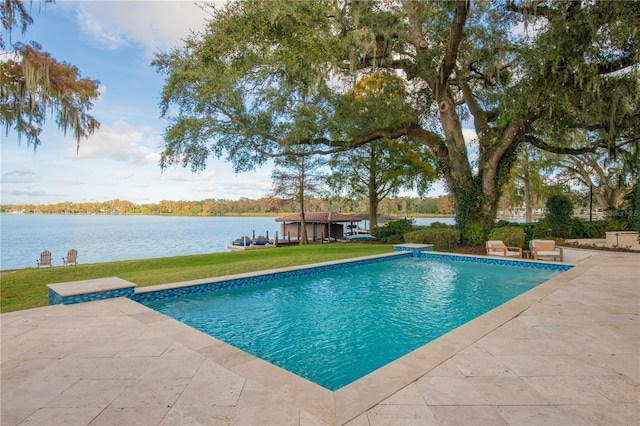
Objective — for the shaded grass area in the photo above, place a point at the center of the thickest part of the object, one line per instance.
(27, 288)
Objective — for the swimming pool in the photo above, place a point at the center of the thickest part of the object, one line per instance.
(333, 327)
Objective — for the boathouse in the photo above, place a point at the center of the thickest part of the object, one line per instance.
(319, 225)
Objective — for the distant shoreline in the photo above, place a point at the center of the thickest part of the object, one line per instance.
(398, 217)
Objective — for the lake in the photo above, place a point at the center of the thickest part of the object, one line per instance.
(103, 238)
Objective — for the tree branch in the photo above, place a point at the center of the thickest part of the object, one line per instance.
(531, 8)
(480, 117)
(575, 151)
(412, 131)
(415, 33)
(618, 65)
(457, 27)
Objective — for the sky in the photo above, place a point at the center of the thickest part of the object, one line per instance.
(114, 42)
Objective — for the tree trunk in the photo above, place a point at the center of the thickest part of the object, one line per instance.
(373, 199)
(303, 238)
(474, 198)
(528, 194)
(606, 198)
(373, 212)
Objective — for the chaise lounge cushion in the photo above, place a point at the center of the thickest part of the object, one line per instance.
(541, 246)
(498, 248)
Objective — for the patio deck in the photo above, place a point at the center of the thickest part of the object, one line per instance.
(567, 352)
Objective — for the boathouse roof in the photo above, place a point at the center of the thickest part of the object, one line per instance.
(319, 217)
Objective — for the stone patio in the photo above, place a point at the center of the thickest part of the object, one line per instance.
(564, 353)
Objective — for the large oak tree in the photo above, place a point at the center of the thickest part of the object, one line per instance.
(269, 74)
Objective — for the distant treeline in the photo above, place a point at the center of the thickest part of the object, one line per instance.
(264, 206)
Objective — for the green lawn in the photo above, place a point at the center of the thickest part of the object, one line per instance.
(27, 288)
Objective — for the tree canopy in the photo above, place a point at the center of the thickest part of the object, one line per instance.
(36, 86)
(266, 75)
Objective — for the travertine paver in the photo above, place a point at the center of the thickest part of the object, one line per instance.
(567, 353)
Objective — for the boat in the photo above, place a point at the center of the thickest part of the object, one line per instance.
(360, 237)
(242, 241)
(260, 240)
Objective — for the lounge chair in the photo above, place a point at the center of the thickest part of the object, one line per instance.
(71, 259)
(498, 248)
(545, 249)
(45, 259)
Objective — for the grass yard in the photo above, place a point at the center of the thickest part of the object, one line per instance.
(27, 288)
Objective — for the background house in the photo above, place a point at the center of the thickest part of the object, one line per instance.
(319, 225)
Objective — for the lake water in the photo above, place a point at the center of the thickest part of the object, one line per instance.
(103, 238)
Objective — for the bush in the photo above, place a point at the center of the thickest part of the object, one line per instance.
(474, 235)
(595, 229)
(439, 225)
(443, 239)
(393, 232)
(501, 223)
(512, 236)
(534, 231)
(632, 207)
(578, 228)
(559, 212)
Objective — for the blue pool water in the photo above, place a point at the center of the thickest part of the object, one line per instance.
(334, 327)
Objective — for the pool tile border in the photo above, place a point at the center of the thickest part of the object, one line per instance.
(86, 291)
(494, 261)
(148, 294)
(89, 290)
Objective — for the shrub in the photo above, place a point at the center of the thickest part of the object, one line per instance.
(443, 239)
(595, 229)
(616, 224)
(500, 223)
(474, 235)
(535, 230)
(439, 225)
(393, 232)
(559, 212)
(512, 236)
(632, 207)
(578, 228)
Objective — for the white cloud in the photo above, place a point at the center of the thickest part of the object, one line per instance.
(470, 137)
(102, 90)
(38, 193)
(152, 24)
(98, 30)
(20, 176)
(120, 143)
(257, 186)
(70, 181)
(199, 177)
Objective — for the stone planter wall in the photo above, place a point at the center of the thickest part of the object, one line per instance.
(622, 239)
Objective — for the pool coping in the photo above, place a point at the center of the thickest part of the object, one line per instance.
(346, 403)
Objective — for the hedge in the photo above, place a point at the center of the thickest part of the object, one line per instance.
(512, 236)
(443, 239)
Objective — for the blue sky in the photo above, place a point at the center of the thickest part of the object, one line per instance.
(114, 42)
